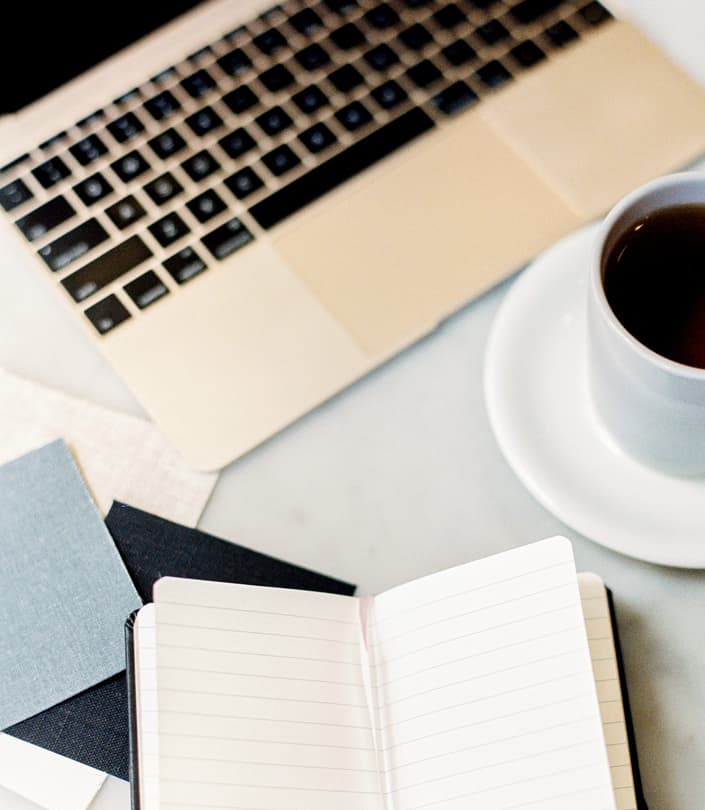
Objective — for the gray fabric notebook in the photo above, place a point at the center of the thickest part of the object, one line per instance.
(64, 591)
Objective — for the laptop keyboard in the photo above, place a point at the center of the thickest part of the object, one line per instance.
(174, 176)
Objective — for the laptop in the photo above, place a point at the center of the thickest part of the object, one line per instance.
(249, 208)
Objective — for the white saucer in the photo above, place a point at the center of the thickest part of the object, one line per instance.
(537, 400)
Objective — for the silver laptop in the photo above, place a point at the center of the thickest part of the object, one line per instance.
(248, 208)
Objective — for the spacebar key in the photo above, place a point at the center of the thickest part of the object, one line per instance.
(341, 167)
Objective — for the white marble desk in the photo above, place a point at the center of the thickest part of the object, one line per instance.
(400, 476)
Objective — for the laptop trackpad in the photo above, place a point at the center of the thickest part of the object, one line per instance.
(394, 251)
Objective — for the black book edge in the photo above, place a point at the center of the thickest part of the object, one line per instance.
(132, 709)
(631, 737)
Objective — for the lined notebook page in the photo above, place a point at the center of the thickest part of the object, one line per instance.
(485, 690)
(604, 662)
(146, 696)
(261, 700)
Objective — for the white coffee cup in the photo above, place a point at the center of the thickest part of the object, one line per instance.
(653, 407)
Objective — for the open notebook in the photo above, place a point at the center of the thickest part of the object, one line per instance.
(470, 687)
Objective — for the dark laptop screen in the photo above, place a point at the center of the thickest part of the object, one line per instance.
(46, 44)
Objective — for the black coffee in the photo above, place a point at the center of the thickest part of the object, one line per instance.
(654, 279)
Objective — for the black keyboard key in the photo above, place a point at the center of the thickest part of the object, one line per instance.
(128, 98)
(416, 37)
(130, 166)
(240, 99)
(198, 83)
(317, 138)
(459, 52)
(312, 57)
(168, 229)
(274, 121)
(43, 219)
(270, 41)
(146, 289)
(92, 189)
(346, 78)
(382, 16)
(348, 36)
(235, 62)
(164, 188)
(206, 206)
(389, 94)
(594, 13)
(310, 99)
(482, 4)
(204, 121)
(353, 116)
(244, 182)
(561, 33)
(162, 105)
(341, 167)
(381, 57)
(424, 74)
(416, 3)
(107, 314)
(341, 6)
(167, 144)
(184, 265)
(51, 172)
(281, 160)
(106, 268)
(227, 238)
(200, 55)
(449, 16)
(88, 149)
(50, 143)
(492, 32)
(200, 165)
(237, 143)
(493, 74)
(276, 78)
(306, 21)
(91, 119)
(529, 11)
(125, 127)
(18, 161)
(527, 53)
(125, 212)
(163, 76)
(14, 194)
(455, 98)
(74, 244)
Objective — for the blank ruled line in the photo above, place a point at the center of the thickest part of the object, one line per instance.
(258, 655)
(521, 688)
(487, 767)
(261, 612)
(570, 629)
(256, 675)
(561, 772)
(266, 697)
(298, 743)
(485, 743)
(513, 622)
(437, 622)
(256, 633)
(222, 716)
(191, 758)
(177, 780)
(575, 651)
(559, 796)
(484, 586)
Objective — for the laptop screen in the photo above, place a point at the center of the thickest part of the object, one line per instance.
(46, 45)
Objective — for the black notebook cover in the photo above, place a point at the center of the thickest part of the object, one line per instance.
(92, 727)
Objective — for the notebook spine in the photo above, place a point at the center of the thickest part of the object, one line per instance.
(631, 737)
(132, 710)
